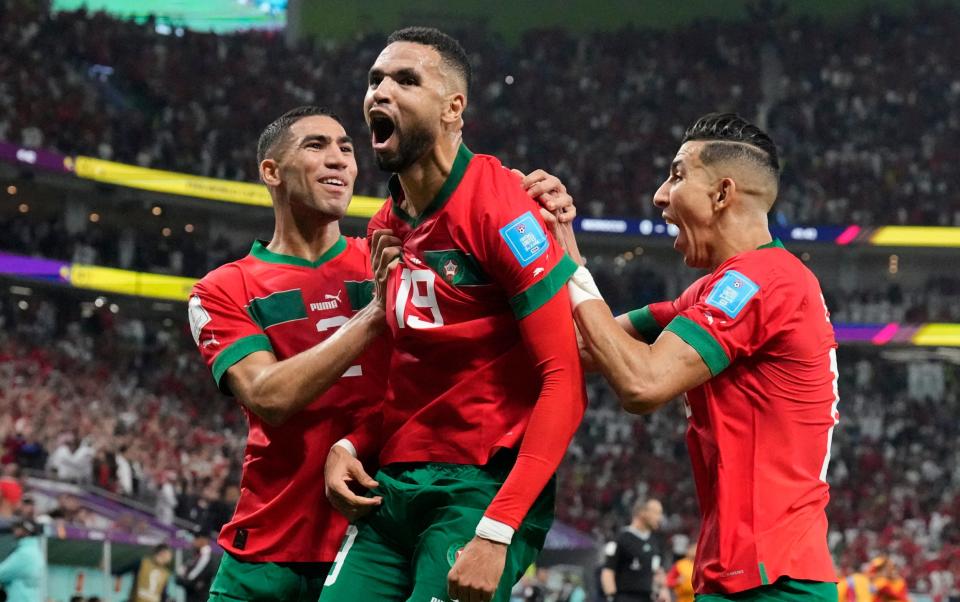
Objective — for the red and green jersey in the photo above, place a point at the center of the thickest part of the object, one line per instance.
(760, 430)
(477, 260)
(285, 305)
(477, 265)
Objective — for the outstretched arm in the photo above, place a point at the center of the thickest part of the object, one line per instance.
(643, 376)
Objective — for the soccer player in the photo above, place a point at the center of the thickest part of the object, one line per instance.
(680, 576)
(275, 328)
(485, 388)
(281, 330)
(751, 347)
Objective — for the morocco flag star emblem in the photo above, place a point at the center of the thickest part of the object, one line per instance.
(450, 269)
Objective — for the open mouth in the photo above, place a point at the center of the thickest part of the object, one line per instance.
(381, 128)
(332, 181)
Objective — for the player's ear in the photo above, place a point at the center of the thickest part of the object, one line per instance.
(454, 108)
(726, 190)
(270, 172)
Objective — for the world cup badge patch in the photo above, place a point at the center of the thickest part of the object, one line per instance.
(525, 238)
(731, 293)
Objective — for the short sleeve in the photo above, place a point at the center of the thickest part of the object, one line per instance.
(515, 246)
(610, 555)
(739, 310)
(650, 320)
(222, 329)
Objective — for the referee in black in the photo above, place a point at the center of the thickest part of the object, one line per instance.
(632, 571)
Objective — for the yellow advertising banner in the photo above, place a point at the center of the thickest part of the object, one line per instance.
(126, 282)
(916, 236)
(170, 182)
(938, 334)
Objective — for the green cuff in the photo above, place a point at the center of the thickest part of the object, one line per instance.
(532, 299)
(702, 341)
(240, 349)
(645, 324)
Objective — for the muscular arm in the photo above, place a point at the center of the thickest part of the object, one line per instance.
(276, 390)
(644, 376)
(548, 334)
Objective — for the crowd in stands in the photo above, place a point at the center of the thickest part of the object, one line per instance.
(113, 403)
(178, 253)
(126, 405)
(865, 110)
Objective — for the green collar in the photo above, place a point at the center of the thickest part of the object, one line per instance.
(775, 243)
(453, 180)
(261, 252)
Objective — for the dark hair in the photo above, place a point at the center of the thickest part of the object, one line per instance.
(160, 547)
(450, 50)
(278, 129)
(752, 143)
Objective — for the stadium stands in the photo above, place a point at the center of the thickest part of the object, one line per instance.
(865, 120)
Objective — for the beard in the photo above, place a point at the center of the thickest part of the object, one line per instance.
(411, 147)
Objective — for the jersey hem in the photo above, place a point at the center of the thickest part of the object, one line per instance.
(240, 349)
(784, 586)
(536, 295)
(702, 342)
(645, 324)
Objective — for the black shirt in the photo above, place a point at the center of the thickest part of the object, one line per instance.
(634, 557)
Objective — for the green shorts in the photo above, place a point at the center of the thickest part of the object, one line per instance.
(268, 581)
(405, 549)
(782, 590)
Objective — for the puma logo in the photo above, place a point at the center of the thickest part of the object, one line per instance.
(332, 302)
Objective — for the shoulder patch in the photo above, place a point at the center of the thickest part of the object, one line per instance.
(198, 317)
(525, 238)
(610, 549)
(731, 293)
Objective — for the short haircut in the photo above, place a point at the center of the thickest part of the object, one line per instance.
(750, 143)
(160, 547)
(641, 504)
(451, 52)
(280, 127)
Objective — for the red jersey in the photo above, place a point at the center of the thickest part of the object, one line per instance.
(760, 429)
(463, 383)
(286, 305)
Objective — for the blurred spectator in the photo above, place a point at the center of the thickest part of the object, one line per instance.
(197, 574)
(151, 575)
(22, 570)
(11, 491)
(72, 460)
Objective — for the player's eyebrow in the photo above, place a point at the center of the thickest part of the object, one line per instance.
(403, 72)
(324, 139)
(676, 165)
(321, 138)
